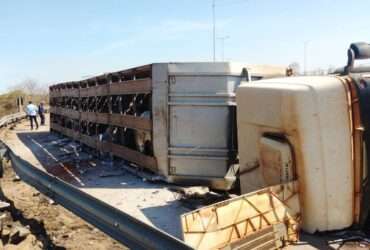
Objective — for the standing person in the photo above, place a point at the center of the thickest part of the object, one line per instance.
(31, 111)
(42, 113)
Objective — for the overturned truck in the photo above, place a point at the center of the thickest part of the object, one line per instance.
(298, 145)
(177, 120)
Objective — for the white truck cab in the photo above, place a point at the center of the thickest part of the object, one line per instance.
(322, 121)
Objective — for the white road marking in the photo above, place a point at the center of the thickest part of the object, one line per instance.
(59, 162)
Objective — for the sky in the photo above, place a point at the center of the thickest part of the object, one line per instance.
(57, 41)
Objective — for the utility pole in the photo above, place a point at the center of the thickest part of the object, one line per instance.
(214, 28)
(305, 57)
(222, 39)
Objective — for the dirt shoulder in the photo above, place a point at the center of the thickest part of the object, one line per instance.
(50, 226)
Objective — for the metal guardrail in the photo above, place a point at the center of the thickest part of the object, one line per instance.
(126, 229)
(8, 119)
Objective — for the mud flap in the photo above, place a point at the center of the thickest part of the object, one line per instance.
(268, 218)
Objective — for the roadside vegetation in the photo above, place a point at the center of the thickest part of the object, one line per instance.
(28, 90)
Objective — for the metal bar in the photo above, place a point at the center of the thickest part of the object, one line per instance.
(124, 228)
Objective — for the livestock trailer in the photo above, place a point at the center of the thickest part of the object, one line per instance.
(177, 120)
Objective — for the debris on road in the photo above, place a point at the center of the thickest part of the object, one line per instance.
(16, 178)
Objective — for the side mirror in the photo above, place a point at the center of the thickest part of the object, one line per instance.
(357, 51)
(361, 50)
(246, 76)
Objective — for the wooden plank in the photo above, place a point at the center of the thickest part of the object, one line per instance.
(64, 131)
(88, 116)
(102, 90)
(71, 133)
(224, 223)
(139, 86)
(84, 92)
(59, 93)
(130, 121)
(68, 92)
(56, 127)
(88, 140)
(91, 116)
(84, 116)
(133, 71)
(92, 91)
(131, 87)
(126, 153)
(75, 114)
(54, 94)
(63, 92)
(70, 113)
(75, 135)
(68, 132)
(72, 92)
(59, 110)
(53, 110)
(102, 118)
(128, 73)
